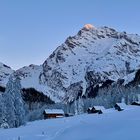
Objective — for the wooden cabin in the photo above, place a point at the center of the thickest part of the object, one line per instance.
(89, 110)
(136, 103)
(53, 113)
(96, 109)
(120, 106)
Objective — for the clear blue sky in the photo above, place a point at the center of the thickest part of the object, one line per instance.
(31, 29)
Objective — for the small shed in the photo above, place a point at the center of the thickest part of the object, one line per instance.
(120, 106)
(96, 109)
(53, 113)
(136, 103)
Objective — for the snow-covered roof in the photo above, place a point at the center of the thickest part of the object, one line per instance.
(99, 107)
(138, 102)
(122, 105)
(54, 111)
(90, 108)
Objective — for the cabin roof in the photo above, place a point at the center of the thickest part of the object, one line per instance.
(137, 102)
(90, 108)
(122, 105)
(54, 111)
(99, 107)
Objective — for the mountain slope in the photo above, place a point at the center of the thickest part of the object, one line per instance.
(30, 79)
(30, 76)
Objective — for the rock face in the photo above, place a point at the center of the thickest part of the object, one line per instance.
(93, 58)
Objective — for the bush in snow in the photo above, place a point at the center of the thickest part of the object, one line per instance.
(4, 124)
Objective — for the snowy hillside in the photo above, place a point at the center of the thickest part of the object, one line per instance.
(111, 125)
(30, 76)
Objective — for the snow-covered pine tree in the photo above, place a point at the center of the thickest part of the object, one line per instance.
(1, 108)
(80, 106)
(18, 103)
(3, 120)
(9, 109)
(75, 107)
(14, 111)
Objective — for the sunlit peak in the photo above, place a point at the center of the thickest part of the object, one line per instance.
(89, 26)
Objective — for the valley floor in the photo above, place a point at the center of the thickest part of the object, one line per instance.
(111, 125)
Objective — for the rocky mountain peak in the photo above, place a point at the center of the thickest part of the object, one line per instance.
(83, 62)
(89, 26)
(94, 54)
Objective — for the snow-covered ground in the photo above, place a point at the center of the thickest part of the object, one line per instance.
(111, 125)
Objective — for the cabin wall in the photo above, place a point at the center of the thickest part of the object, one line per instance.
(48, 116)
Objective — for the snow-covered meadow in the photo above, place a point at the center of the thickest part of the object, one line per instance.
(111, 125)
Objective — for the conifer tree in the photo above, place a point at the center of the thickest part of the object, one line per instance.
(14, 111)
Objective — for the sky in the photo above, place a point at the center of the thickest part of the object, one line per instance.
(30, 30)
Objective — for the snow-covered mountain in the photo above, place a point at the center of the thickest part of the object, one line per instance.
(90, 58)
(30, 76)
(5, 72)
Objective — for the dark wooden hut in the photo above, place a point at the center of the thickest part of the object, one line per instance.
(53, 113)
